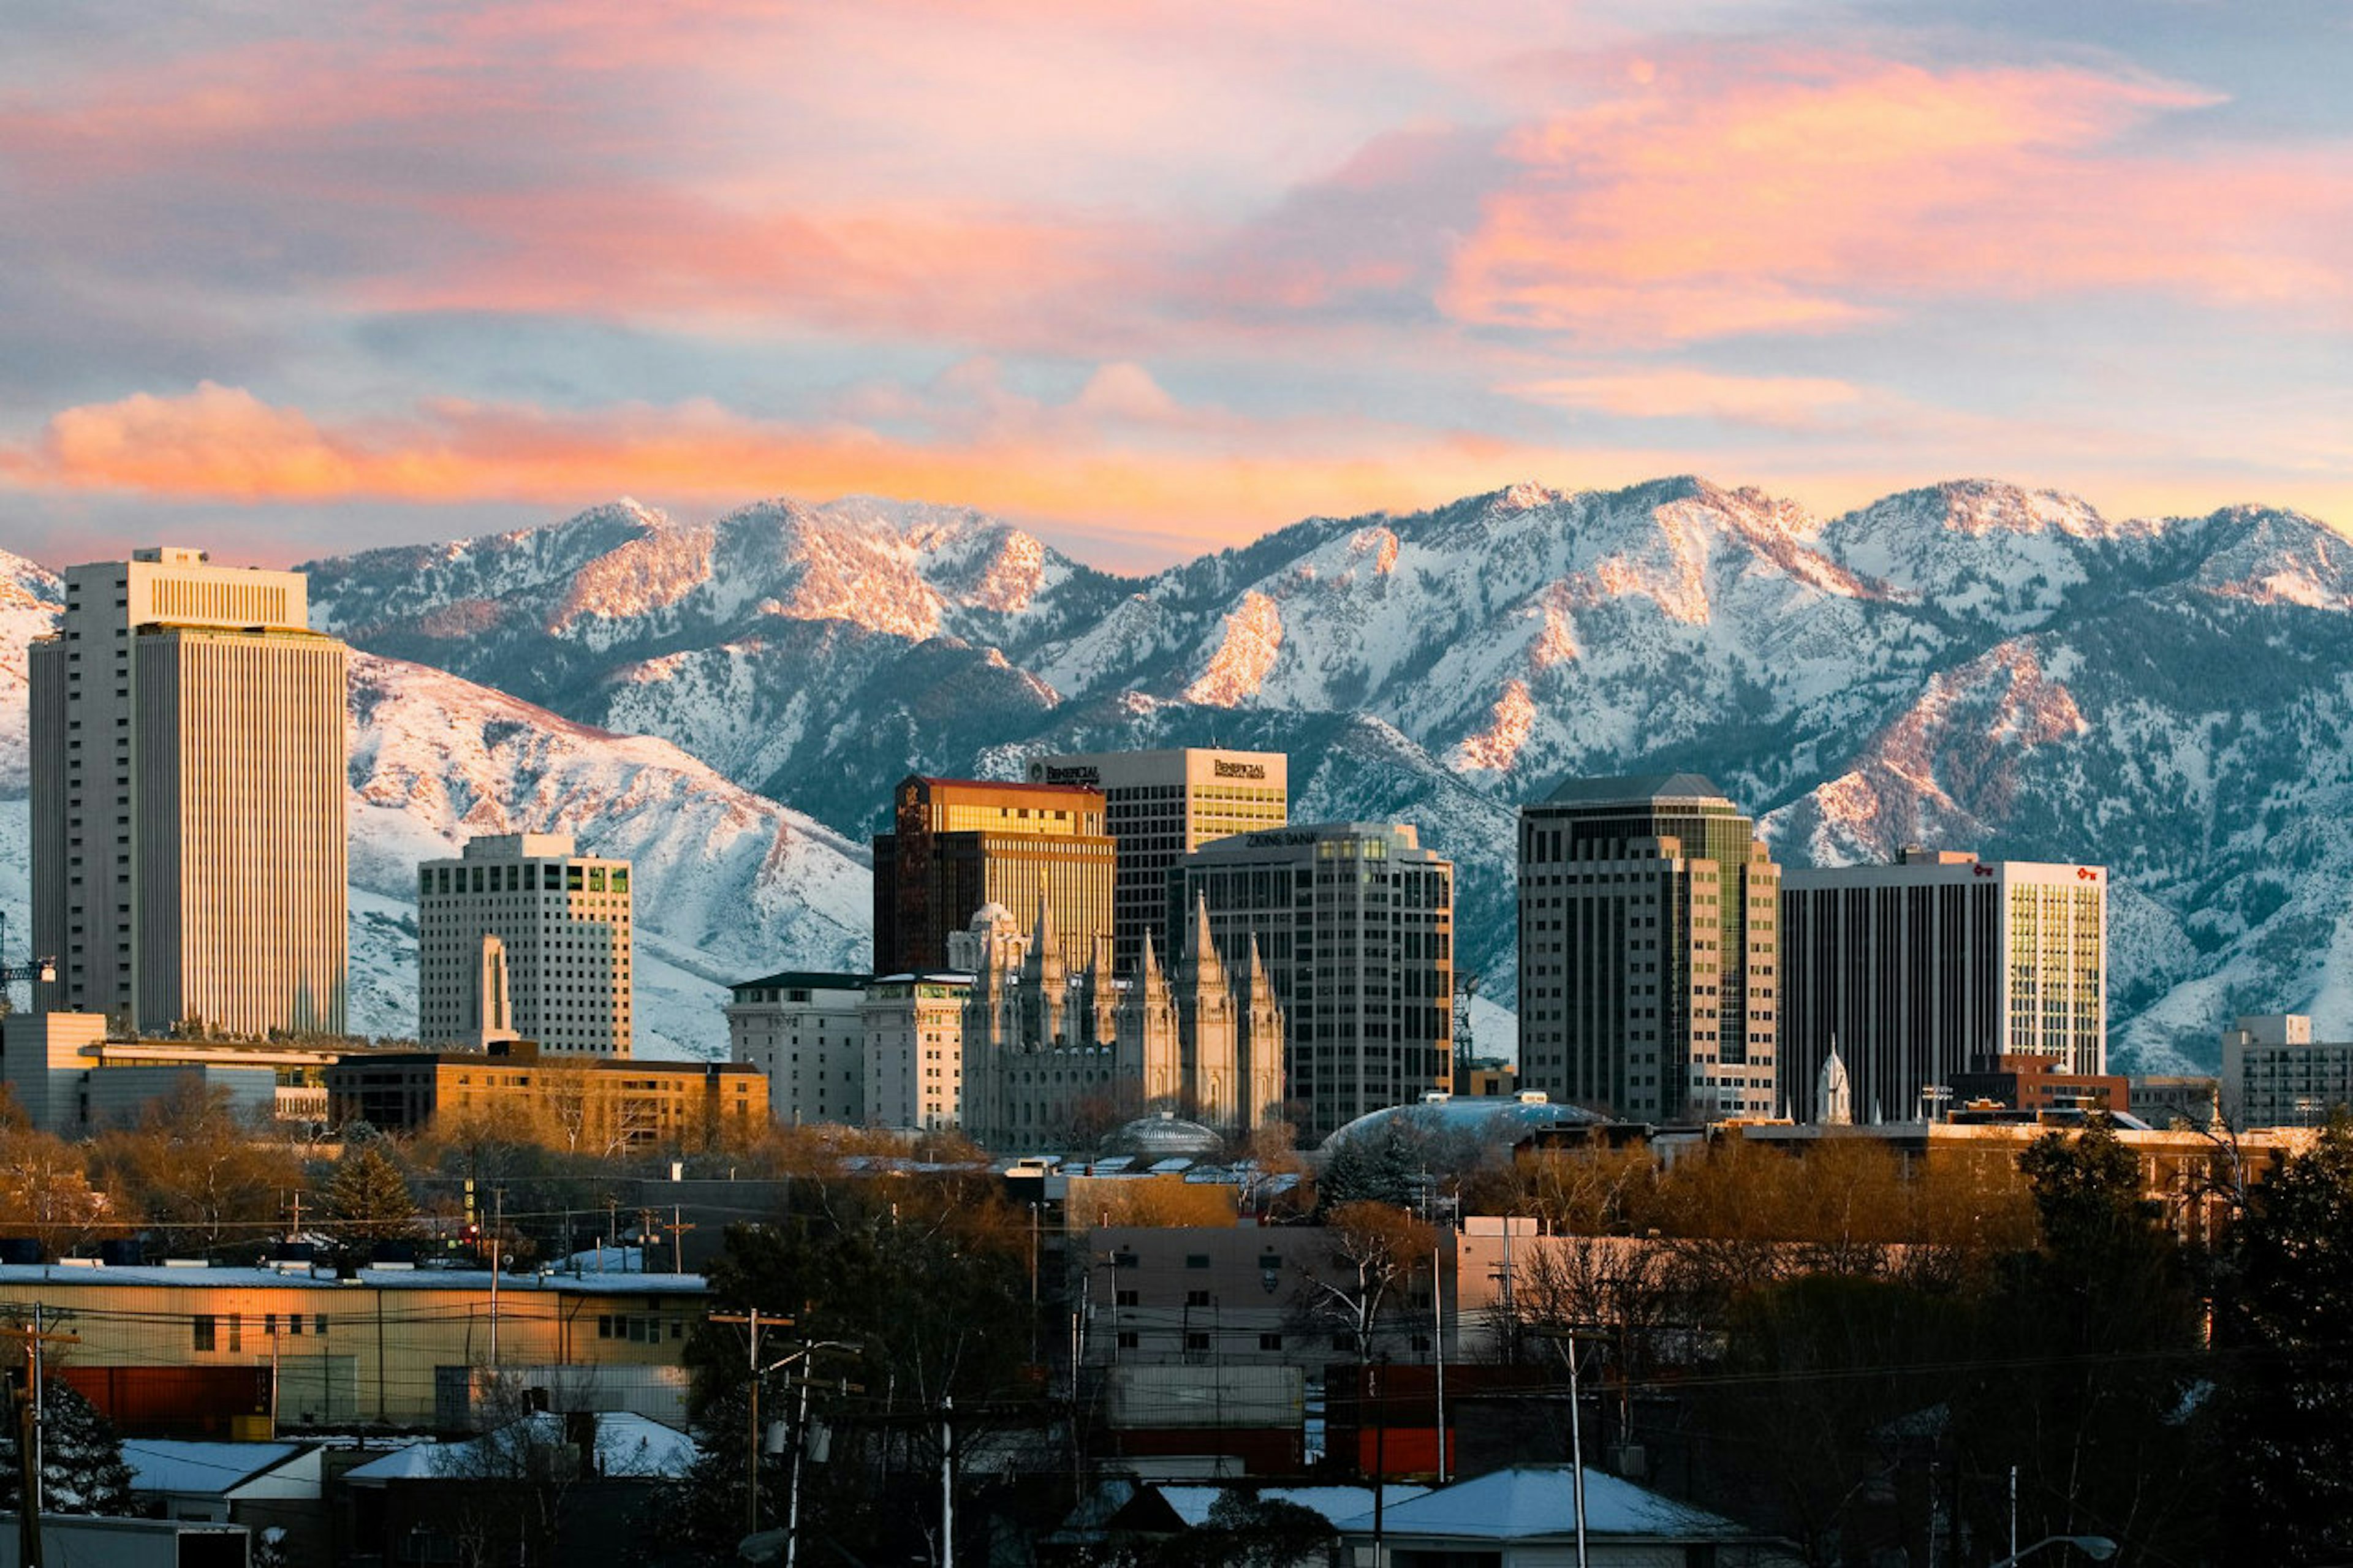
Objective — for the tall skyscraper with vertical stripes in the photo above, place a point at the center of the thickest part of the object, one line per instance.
(189, 855)
(1649, 946)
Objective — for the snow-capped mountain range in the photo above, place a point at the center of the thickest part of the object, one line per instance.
(1973, 665)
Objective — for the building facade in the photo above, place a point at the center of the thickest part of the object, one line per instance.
(806, 1031)
(189, 857)
(1918, 969)
(1161, 805)
(554, 922)
(334, 1352)
(913, 1027)
(1648, 950)
(2274, 1074)
(71, 1080)
(958, 844)
(1354, 923)
(1051, 1053)
(595, 1105)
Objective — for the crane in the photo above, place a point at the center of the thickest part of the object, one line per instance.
(1466, 986)
(32, 972)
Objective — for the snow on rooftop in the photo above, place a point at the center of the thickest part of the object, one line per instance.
(160, 1464)
(626, 1445)
(1529, 1500)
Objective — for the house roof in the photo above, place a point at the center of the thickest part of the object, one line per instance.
(1529, 1502)
(1337, 1504)
(158, 1464)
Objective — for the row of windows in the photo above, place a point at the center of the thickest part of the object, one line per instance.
(206, 1329)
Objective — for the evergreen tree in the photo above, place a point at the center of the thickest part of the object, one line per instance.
(2287, 1320)
(368, 1201)
(81, 1458)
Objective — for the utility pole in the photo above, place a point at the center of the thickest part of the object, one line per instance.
(1438, 1342)
(1575, 1434)
(947, 1482)
(677, 1229)
(28, 1432)
(754, 1320)
(498, 1217)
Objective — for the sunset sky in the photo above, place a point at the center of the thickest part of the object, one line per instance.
(294, 279)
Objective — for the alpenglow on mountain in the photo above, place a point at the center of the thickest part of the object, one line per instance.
(1972, 666)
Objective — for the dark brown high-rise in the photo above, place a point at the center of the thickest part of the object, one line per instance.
(958, 844)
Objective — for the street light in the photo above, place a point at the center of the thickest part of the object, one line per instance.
(2098, 1548)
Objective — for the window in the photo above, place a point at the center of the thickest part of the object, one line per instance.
(1269, 1342)
(205, 1331)
(1197, 1298)
(1128, 1339)
(1197, 1260)
(1197, 1341)
(1126, 1298)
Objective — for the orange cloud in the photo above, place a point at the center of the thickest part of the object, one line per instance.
(1063, 462)
(1813, 192)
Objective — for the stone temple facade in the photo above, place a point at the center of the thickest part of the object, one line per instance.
(1051, 1052)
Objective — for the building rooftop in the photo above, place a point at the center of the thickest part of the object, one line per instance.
(168, 1465)
(1490, 1118)
(197, 1277)
(1635, 789)
(806, 980)
(1528, 1501)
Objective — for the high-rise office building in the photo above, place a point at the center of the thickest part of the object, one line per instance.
(1354, 923)
(1648, 916)
(957, 845)
(563, 920)
(189, 779)
(1158, 805)
(1922, 970)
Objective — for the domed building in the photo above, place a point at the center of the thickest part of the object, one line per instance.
(1471, 1123)
(1165, 1136)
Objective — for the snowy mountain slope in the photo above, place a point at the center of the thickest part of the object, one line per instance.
(1973, 664)
(728, 883)
(30, 598)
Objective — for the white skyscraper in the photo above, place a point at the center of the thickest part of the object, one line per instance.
(562, 921)
(188, 784)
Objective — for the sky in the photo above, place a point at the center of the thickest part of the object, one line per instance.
(290, 280)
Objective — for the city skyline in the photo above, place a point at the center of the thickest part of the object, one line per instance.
(1150, 284)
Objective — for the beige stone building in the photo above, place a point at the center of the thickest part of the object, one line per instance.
(804, 1030)
(188, 781)
(913, 1029)
(527, 915)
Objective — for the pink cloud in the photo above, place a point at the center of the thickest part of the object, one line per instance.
(1775, 402)
(1704, 198)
